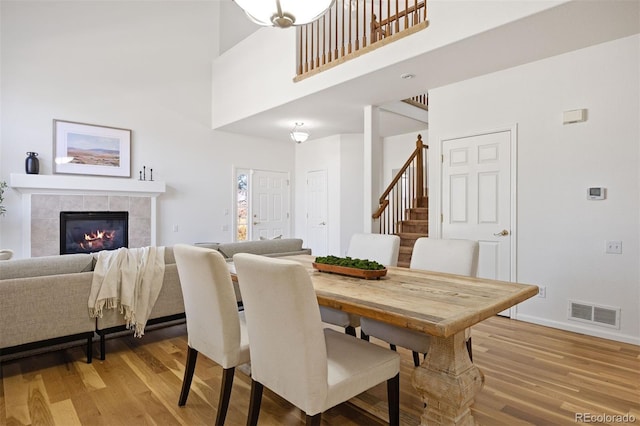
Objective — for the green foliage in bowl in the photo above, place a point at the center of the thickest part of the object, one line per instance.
(349, 262)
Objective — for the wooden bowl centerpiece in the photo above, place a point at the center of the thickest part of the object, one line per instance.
(358, 268)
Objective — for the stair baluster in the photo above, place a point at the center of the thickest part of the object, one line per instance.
(403, 206)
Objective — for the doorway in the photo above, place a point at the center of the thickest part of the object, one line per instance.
(262, 205)
(316, 212)
(478, 199)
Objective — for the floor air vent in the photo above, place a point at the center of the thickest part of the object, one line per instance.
(594, 314)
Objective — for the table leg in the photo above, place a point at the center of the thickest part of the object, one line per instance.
(448, 381)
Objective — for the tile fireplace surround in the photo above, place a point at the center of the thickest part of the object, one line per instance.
(45, 196)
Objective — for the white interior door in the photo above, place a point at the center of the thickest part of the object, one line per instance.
(269, 204)
(476, 199)
(316, 205)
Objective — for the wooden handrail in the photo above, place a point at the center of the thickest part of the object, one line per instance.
(377, 30)
(383, 206)
(348, 30)
(400, 14)
(399, 175)
(402, 194)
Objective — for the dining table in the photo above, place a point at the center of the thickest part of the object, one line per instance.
(440, 305)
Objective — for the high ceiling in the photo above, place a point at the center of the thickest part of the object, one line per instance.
(339, 109)
(323, 121)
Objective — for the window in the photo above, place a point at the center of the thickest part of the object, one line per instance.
(242, 206)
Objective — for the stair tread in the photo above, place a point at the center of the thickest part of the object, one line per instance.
(411, 235)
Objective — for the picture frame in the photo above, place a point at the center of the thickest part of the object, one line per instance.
(90, 149)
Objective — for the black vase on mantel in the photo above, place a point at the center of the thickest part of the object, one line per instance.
(32, 164)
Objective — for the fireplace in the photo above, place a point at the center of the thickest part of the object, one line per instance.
(88, 232)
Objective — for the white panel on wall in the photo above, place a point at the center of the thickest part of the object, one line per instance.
(488, 197)
(488, 153)
(459, 157)
(263, 207)
(277, 206)
(488, 261)
(459, 198)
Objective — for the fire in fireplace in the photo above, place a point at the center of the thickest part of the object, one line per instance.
(88, 232)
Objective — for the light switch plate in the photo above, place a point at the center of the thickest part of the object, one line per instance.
(613, 247)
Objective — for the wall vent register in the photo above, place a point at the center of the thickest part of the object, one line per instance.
(596, 314)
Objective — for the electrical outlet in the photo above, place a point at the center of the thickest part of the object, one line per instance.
(175, 228)
(542, 291)
(613, 247)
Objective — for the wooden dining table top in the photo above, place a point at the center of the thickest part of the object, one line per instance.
(434, 303)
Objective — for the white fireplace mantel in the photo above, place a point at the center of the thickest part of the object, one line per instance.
(83, 184)
(31, 186)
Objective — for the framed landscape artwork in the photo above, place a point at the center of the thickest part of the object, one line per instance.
(88, 149)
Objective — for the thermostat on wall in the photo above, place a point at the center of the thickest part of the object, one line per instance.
(595, 193)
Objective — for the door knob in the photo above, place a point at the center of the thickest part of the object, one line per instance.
(322, 223)
(502, 233)
(255, 223)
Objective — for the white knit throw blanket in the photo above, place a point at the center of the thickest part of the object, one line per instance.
(128, 279)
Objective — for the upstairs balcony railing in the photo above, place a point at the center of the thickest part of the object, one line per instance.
(353, 27)
(419, 101)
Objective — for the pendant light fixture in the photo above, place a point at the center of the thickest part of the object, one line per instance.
(298, 135)
(284, 13)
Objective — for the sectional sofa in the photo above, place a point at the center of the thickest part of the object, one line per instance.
(43, 300)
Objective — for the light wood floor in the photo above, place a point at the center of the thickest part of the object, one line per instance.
(534, 375)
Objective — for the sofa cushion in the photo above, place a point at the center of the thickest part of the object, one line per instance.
(170, 301)
(44, 307)
(46, 265)
(264, 247)
(213, 246)
(169, 258)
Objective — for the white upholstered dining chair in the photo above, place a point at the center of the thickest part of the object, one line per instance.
(451, 256)
(215, 328)
(291, 354)
(381, 248)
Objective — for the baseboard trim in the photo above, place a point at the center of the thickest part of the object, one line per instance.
(577, 328)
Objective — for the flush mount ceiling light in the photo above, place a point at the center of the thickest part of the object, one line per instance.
(298, 135)
(284, 13)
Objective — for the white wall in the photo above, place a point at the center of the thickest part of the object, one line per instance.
(351, 184)
(397, 149)
(341, 157)
(561, 235)
(273, 51)
(144, 66)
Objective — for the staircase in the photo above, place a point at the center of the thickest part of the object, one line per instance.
(404, 204)
(409, 230)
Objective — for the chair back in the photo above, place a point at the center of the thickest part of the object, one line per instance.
(213, 324)
(288, 349)
(381, 248)
(450, 256)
